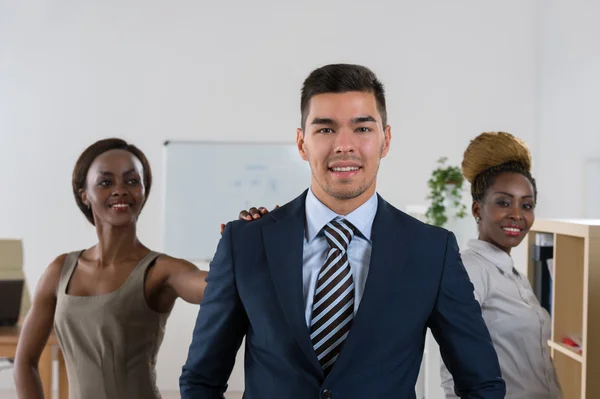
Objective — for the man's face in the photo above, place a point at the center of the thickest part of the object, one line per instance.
(344, 141)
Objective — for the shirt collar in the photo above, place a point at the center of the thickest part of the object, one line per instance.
(498, 257)
(318, 215)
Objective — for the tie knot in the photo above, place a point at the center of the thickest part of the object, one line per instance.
(339, 233)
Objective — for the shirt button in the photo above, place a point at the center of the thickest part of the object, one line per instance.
(327, 394)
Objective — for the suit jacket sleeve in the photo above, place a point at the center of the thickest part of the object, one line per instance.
(220, 327)
(479, 276)
(464, 340)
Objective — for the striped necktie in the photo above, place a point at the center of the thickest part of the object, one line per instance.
(333, 303)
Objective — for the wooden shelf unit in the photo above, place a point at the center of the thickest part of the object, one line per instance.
(575, 299)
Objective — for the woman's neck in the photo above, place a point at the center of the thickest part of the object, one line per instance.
(481, 238)
(116, 244)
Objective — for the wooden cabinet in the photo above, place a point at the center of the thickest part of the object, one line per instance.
(575, 301)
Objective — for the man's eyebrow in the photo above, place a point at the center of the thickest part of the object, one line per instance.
(322, 121)
(363, 119)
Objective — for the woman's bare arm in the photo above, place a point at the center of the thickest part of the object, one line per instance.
(35, 332)
(186, 280)
(171, 278)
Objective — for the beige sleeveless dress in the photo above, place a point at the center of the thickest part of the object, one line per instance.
(109, 341)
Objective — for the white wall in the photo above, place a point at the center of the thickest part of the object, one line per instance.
(569, 106)
(74, 72)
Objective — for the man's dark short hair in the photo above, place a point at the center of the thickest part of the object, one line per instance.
(341, 78)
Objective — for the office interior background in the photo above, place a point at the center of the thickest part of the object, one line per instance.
(75, 72)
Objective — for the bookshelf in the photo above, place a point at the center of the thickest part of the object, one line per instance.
(575, 301)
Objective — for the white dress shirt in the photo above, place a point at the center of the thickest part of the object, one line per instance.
(316, 246)
(518, 324)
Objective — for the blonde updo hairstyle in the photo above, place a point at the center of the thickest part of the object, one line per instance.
(490, 154)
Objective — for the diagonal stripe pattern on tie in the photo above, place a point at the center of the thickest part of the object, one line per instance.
(333, 303)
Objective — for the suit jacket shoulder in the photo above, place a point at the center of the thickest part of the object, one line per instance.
(404, 221)
(244, 230)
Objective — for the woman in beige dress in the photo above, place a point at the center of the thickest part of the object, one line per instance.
(108, 304)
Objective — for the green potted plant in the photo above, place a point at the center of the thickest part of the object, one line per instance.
(445, 186)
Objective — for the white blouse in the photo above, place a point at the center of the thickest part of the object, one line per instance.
(518, 324)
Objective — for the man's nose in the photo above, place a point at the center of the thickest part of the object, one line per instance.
(344, 141)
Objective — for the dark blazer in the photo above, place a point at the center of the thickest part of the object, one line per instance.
(416, 280)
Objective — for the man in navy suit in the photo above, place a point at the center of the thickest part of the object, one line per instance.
(334, 291)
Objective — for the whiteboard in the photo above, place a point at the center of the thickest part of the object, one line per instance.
(209, 183)
(592, 187)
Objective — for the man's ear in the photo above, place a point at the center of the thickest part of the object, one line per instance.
(300, 144)
(387, 136)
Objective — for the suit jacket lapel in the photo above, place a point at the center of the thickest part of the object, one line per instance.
(283, 242)
(387, 262)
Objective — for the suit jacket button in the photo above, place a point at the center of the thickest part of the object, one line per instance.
(327, 394)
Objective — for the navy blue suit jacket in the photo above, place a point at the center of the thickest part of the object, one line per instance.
(416, 280)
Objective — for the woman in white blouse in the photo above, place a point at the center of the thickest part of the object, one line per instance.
(504, 196)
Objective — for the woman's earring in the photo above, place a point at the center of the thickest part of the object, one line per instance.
(477, 219)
